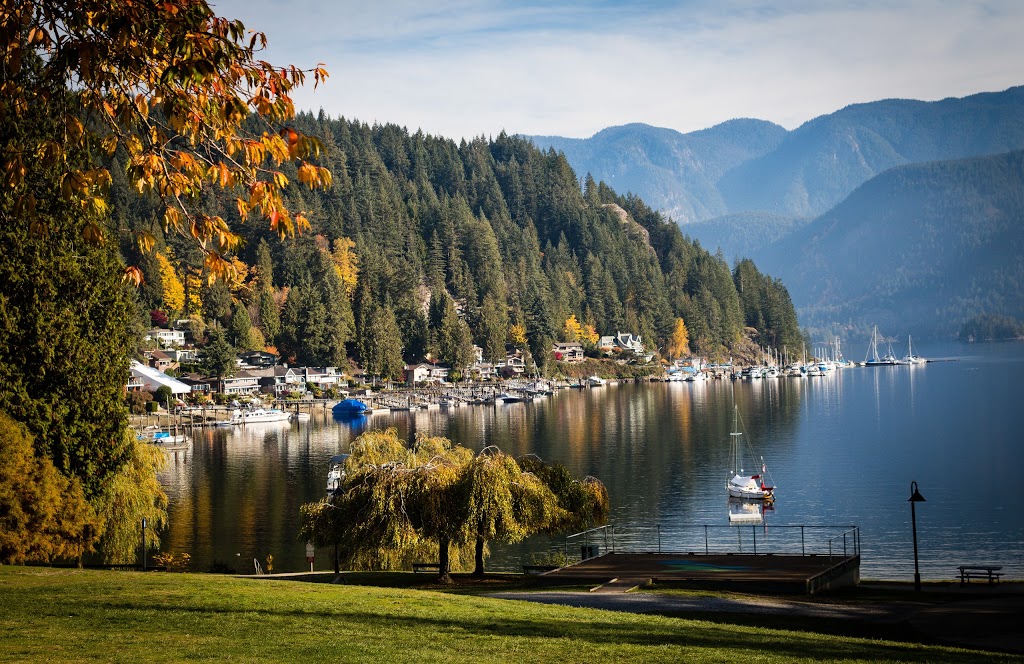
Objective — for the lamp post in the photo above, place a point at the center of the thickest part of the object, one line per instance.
(915, 497)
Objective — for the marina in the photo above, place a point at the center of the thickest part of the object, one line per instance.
(842, 448)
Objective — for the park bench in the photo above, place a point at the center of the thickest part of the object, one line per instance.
(990, 572)
(425, 567)
(538, 569)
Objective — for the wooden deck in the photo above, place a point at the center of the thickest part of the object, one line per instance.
(747, 572)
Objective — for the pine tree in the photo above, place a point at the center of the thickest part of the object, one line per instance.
(240, 330)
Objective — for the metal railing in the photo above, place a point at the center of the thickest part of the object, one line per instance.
(756, 539)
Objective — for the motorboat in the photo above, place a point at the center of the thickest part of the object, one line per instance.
(257, 416)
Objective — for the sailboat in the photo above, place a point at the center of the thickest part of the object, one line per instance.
(872, 360)
(741, 484)
(911, 358)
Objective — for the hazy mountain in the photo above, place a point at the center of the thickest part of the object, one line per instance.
(743, 233)
(918, 249)
(675, 173)
(822, 161)
(740, 167)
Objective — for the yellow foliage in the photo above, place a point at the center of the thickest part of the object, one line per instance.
(346, 263)
(199, 77)
(173, 289)
(517, 335)
(573, 330)
(679, 343)
(590, 334)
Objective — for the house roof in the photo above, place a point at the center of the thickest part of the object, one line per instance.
(159, 377)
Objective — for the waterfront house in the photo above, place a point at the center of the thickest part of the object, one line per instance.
(416, 374)
(513, 365)
(149, 379)
(159, 360)
(571, 352)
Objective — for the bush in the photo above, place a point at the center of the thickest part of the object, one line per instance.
(152, 406)
(163, 395)
(137, 402)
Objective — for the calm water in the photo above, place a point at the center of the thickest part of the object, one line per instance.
(842, 450)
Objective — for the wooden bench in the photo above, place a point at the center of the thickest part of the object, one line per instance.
(426, 567)
(538, 569)
(990, 572)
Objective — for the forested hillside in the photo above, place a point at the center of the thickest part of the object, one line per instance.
(920, 248)
(423, 246)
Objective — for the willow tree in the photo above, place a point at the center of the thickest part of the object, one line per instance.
(501, 503)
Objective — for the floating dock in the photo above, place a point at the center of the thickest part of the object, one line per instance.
(775, 573)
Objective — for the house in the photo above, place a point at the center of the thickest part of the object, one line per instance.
(159, 360)
(513, 365)
(483, 371)
(571, 352)
(622, 342)
(416, 373)
(183, 355)
(167, 337)
(258, 358)
(323, 377)
(147, 378)
(246, 381)
(280, 380)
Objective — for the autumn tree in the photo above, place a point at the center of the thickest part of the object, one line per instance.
(180, 92)
(346, 263)
(572, 330)
(43, 514)
(679, 343)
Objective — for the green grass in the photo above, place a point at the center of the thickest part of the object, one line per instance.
(73, 615)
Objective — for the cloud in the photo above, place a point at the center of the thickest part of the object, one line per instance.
(572, 68)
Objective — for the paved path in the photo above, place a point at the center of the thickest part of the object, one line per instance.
(988, 623)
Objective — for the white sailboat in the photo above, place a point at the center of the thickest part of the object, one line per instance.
(741, 484)
(911, 358)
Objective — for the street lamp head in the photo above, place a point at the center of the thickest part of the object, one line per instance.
(915, 495)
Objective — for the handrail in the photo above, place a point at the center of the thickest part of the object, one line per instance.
(758, 539)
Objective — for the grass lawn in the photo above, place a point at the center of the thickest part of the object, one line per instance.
(73, 615)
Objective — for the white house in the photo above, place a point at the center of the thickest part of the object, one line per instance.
(150, 379)
(570, 352)
(167, 337)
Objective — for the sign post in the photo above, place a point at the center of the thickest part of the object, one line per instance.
(310, 554)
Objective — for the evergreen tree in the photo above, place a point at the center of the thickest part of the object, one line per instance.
(240, 329)
(270, 318)
(218, 357)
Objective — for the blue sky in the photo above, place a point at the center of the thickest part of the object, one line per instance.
(477, 67)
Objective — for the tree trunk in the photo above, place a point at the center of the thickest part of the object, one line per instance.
(478, 571)
(443, 561)
(337, 567)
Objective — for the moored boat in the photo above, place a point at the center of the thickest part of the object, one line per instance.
(741, 484)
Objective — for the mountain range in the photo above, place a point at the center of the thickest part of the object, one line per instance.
(894, 189)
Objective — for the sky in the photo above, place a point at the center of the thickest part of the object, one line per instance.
(467, 68)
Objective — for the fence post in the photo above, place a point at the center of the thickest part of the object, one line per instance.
(739, 538)
(705, 540)
(803, 549)
(659, 538)
(753, 529)
(844, 545)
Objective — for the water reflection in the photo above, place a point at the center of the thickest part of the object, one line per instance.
(841, 448)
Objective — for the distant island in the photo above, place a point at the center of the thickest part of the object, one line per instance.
(991, 327)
